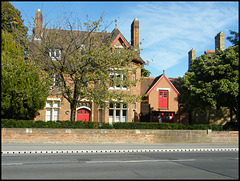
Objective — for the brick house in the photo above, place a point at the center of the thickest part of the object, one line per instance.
(162, 95)
(160, 103)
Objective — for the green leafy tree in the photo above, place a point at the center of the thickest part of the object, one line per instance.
(233, 39)
(22, 91)
(213, 80)
(11, 21)
(88, 66)
(145, 72)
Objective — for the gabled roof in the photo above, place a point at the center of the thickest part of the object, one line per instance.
(116, 35)
(157, 80)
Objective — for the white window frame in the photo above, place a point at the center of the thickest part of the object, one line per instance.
(53, 54)
(168, 89)
(54, 84)
(122, 78)
(53, 109)
(114, 118)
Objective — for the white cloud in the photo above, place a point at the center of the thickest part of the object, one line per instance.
(171, 29)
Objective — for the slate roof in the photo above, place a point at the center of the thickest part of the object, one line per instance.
(102, 38)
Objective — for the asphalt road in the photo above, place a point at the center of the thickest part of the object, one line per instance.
(160, 165)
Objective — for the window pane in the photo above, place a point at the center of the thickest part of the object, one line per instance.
(48, 114)
(110, 116)
(124, 115)
(52, 53)
(118, 105)
(124, 105)
(165, 93)
(57, 53)
(111, 105)
(118, 81)
(56, 104)
(110, 112)
(117, 118)
(55, 114)
(48, 104)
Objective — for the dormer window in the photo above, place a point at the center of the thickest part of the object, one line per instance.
(55, 54)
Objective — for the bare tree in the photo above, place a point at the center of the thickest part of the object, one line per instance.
(80, 58)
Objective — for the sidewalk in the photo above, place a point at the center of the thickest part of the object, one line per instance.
(111, 148)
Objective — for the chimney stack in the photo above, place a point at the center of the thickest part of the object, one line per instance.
(219, 41)
(38, 23)
(191, 56)
(135, 33)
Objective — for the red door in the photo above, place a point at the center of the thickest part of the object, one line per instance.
(83, 115)
(163, 99)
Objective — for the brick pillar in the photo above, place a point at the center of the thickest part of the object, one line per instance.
(219, 41)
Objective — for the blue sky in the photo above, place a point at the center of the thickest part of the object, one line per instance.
(168, 29)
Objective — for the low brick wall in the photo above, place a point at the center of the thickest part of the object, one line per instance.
(101, 136)
(225, 137)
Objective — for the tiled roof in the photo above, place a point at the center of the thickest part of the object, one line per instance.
(176, 83)
(147, 83)
(209, 52)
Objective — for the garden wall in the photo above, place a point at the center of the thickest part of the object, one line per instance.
(110, 136)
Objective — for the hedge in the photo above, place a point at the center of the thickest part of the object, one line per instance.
(171, 126)
(11, 123)
(5, 123)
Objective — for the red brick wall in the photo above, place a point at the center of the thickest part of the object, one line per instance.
(90, 136)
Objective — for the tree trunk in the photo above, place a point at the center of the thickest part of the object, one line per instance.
(231, 115)
(73, 111)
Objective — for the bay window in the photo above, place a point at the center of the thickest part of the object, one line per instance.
(117, 112)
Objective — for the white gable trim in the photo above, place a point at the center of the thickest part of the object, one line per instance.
(168, 89)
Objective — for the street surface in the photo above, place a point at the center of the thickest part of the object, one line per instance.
(71, 147)
(134, 165)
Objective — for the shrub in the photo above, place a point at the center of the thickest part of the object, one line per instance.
(146, 125)
(105, 126)
(8, 123)
(24, 123)
(11, 123)
(40, 124)
(231, 126)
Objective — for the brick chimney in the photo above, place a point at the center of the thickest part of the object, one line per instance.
(191, 56)
(38, 23)
(135, 33)
(219, 41)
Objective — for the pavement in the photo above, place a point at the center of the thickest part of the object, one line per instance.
(111, 148)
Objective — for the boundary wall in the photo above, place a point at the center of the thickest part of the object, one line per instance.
(114, 136)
